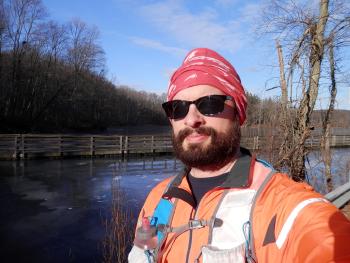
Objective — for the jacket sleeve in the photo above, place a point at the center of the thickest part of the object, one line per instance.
(137, 255)
(294, 224)
(322, 234)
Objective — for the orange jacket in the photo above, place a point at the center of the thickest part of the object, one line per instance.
(256, 215)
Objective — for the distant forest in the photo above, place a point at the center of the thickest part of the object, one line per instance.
(52, 76)
(53, 79)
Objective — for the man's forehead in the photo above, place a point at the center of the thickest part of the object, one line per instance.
(195, 92)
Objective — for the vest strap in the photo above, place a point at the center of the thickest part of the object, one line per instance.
(191, 225)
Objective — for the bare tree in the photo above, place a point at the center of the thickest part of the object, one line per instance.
(54, 41)
(302, 31)
(3, 26)
(23, 19)
(84, 52)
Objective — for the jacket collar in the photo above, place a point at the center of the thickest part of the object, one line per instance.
(240, 176)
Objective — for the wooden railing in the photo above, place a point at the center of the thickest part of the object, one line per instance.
(256, 142)
(147, 144)
(13, 146)
(19, 146)
(340, 196)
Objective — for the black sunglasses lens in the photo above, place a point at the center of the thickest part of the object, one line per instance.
(176, 109)
(211, 105)
(208, 105)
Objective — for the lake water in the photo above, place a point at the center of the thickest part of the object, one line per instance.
(340, 169)
(53, 210)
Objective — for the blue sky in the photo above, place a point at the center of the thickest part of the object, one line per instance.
(145, 41)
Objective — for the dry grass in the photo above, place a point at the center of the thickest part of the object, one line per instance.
(119, 229)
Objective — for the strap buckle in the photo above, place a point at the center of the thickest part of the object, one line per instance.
(194, 224)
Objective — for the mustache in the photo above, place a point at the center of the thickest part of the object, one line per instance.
(201, 130)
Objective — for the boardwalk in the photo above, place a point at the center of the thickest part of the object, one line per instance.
(23, 146)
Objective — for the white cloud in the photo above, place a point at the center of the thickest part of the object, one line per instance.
(250, 13)
(225, 3)
(250, 18)
(202, 29)
(158, 46)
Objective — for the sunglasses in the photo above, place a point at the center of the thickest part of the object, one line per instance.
(207, 105)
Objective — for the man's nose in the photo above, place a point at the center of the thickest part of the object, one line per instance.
(194, 118)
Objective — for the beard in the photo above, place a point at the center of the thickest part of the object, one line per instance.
(221, 149)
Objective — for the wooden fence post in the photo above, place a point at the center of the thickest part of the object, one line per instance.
(22, 153)
(14, 156)
(60, 145)
(126, 145)
(334, 140)
(255, 143)
(92, 145)
(311, 141)
(152, 144)
(121, 144)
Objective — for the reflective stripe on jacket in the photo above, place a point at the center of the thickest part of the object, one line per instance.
(256, 215)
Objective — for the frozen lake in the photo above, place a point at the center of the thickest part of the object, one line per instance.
(53, 210)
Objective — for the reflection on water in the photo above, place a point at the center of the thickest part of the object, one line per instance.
(52, 210)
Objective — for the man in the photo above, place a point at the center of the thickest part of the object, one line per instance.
(227, 206)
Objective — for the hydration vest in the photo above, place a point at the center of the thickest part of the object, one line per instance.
(249, 218)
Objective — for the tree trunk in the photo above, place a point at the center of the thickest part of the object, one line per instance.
(326, 125)
(309, 99)
(285, 145)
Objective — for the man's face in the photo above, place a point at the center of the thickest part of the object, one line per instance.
(206, 142)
